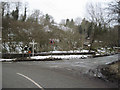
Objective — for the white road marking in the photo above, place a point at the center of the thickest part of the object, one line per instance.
(31, 80)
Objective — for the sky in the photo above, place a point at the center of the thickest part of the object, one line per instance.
(62, 9)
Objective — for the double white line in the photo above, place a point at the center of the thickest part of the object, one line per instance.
(31, 80)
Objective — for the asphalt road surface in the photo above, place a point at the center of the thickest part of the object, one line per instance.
(50, 74)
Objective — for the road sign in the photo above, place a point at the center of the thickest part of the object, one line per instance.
(52, 42)
(30, 48)
(25, 48)
(29, 52)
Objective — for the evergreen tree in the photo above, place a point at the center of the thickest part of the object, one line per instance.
(24, 17)
(67, 22)
(15, 14)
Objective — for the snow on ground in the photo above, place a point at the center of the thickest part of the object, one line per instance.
(53, 56)
(97, 54)
(58, 51)
(84, 50)
(71, 51)
(60, 56)
(6, 60)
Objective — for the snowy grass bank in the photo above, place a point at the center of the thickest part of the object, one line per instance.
(60, 57)
(7, 60)
(48, 57)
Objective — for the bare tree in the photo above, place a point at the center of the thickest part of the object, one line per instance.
(62, 22)
(78, 21)
(96, 13)
(35, 16)
(3, 8)
(114, 12)
(97, 18)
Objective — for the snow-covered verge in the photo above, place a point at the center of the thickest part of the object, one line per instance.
(104, 51)
(71, 51)
(60, 56)
(6, 60)
(49, 57)
(101, 51)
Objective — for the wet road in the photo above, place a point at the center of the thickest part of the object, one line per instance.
(71, 73)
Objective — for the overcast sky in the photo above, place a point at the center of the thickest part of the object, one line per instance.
(62, 9)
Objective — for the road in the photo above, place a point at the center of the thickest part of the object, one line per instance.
(54, 74)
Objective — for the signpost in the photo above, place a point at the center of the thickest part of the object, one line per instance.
(33, 45)
(29, 52)
(51, 42)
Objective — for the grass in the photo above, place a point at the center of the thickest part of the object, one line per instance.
(112, 71)
(115, 68)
